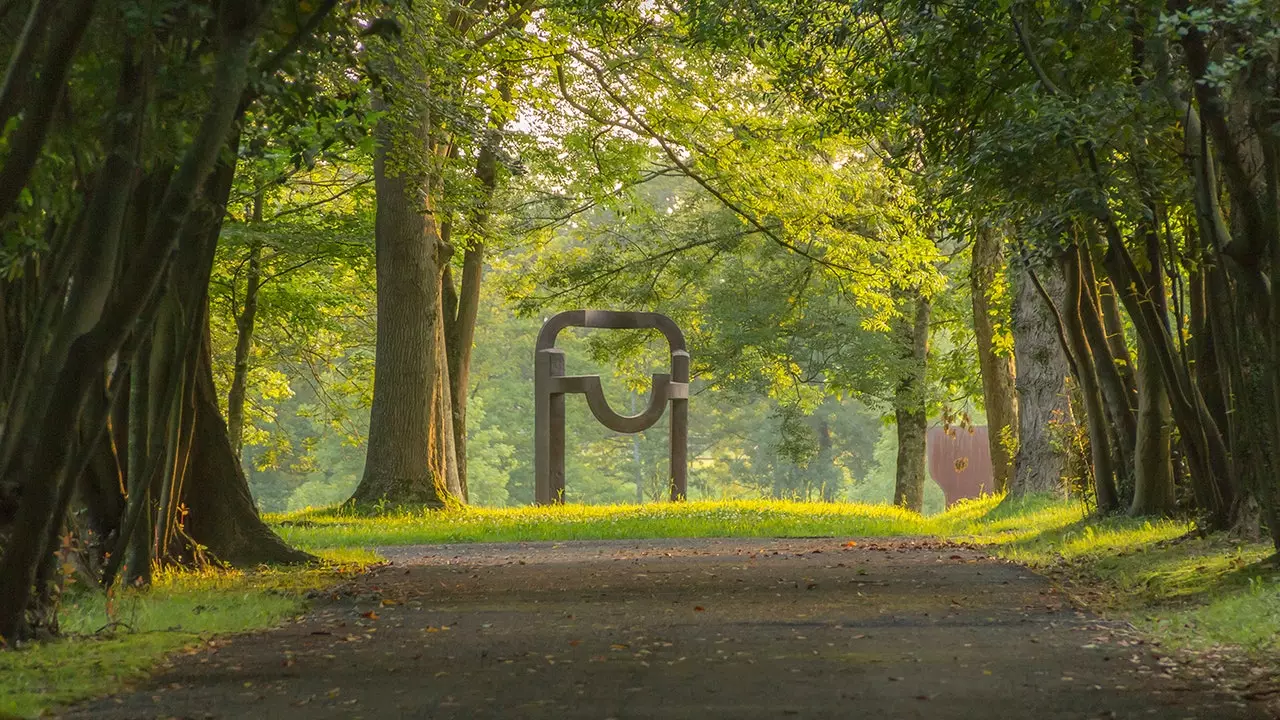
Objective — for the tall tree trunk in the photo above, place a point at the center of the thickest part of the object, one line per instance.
(1086, 368)
(1212, 471)
(987, 281)
(1042, 369)
(1118, 400)
(1153, 490)
(910, 408)
(443, 442)
(462, 309)
(460, 341)
(400, 459)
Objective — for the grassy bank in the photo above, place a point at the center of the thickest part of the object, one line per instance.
(1188, 590)
(111, 639)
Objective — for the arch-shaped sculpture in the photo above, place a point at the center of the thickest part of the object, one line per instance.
(551, 385)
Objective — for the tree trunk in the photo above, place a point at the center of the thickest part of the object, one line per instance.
(1042, 369)
(1087, 375)
(399, 461)
(987, 282)
(1212, 471)
(1153, 490)
(52, 456)
(443, 442)
(463, 310)
(1242, 127)
(459, 343)
(222, 515)
(1113, 324)
(1118, 400)
(910, 409)
(244, 339)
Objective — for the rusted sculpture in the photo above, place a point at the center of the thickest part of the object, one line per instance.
(550, 385)
(960, 462)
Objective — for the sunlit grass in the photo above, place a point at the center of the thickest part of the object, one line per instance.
(341, 527)
(112, 639)
(1188, 591)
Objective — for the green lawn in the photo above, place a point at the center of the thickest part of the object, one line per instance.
(1188, 591)
(344, 528)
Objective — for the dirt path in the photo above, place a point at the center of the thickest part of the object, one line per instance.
(734, 628)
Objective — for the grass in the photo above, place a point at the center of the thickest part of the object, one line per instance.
(342, 527)
(112, 640)
(1183, 589)
(1188, 591)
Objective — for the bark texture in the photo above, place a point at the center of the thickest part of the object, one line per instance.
(407, 369)
(1153, 488)
(910, 408)
(1042, 370)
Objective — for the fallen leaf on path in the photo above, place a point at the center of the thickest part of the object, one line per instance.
(371, 615)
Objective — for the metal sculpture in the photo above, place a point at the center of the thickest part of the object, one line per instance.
(551, 385)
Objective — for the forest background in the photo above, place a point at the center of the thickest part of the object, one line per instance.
(268, 255)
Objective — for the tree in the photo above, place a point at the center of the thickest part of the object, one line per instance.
(1115, 161)
(419, 405)
(139, 214)
(1042, 371)
(989, 291)
(910, 405)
